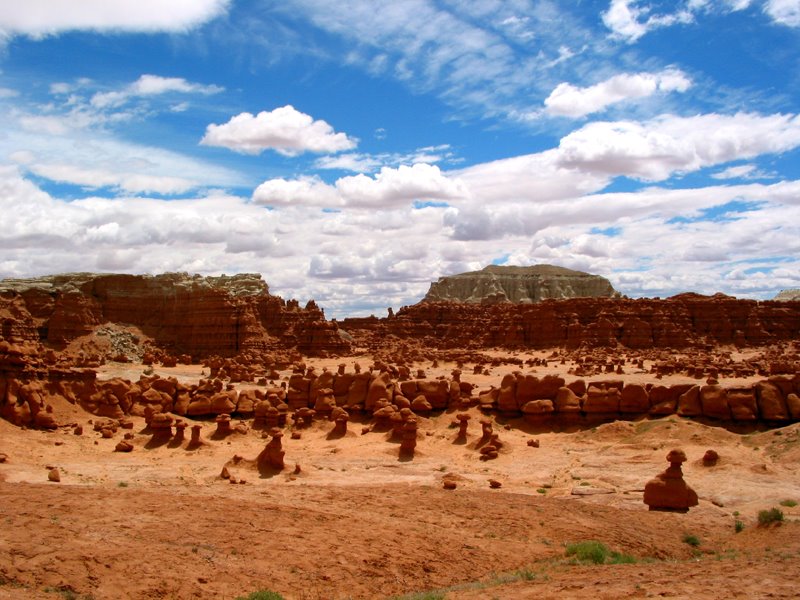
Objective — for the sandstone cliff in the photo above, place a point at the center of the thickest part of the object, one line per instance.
(686, 320)
(520, 285)
(184, 314)
(788, 295)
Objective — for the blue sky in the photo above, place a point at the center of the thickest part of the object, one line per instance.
(354, 151)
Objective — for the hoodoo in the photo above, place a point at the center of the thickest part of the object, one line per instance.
(521, 285)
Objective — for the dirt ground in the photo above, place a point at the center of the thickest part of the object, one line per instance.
(356, 521)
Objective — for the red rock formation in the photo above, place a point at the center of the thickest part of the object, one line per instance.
(683, 321)
(668, 491)
(194, 315)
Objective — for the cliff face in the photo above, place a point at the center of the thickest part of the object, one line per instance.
(680, 322)
(519, 285)
(788, 295)
(194, 315)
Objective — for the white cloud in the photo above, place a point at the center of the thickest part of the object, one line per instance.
(132, 183)
(571, 101)
(748, 171)
(367, 163)
(40, 18)
(785, 12)
(388, 188)
(151, 85)
(285, 130)
(484, 58)
(53, 150)
(654, 150)
(629, 22)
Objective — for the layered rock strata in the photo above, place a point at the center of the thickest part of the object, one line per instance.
(521, 285)
(193, 315)
(683, 321)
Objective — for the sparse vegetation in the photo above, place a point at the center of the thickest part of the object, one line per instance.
(692, 540)
(788, 503)
(435, 595)
(122, 484)
(767, 517)
(592, 551)
(541, 491)
(738, 526)
(261, 595)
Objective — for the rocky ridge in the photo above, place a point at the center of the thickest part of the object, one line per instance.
(520, 285)
(183, 314)
(683, 321)
(790, 295)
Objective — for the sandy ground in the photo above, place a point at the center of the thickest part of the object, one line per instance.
(359, 522)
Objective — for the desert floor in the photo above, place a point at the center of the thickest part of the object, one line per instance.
(358, 522)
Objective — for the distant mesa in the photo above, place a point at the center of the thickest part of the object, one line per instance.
(790, 295)
(519, 285)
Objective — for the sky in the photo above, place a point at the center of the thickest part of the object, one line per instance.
(354, 151)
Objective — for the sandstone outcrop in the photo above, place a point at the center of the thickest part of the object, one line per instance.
(683, 321)
(668, 491)
(184, 314)
(497, 284)
(790, 295)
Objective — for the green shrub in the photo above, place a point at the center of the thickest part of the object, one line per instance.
(738, 526)
(589, 551)
(773, 515)
(788, 503)
(692, 540)
(618, 558)
(261, 595)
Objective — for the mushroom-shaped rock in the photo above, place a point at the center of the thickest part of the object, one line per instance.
(272, 454)
(196, 441)
(668, 491)
(303, 417)
(180, 431)
(223, 425)
(486, 429)
(340, 417)
(408, 441)
(463, 423)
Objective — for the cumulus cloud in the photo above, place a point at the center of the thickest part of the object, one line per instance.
(151, 85)
(570, 101)
(656, 149)
(285, 130)
(388, 188)
(40, 18)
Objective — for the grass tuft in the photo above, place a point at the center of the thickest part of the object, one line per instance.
(767, 517)
(261, 595)
(692, 540)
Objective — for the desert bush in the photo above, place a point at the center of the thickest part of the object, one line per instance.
(773, 515)
(589, 551)
(261, 595)
(692, 540)
(738, 526)
(788, 503)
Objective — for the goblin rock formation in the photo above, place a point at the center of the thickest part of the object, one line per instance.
(191, 315)
(668, 491)
(523, 285)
